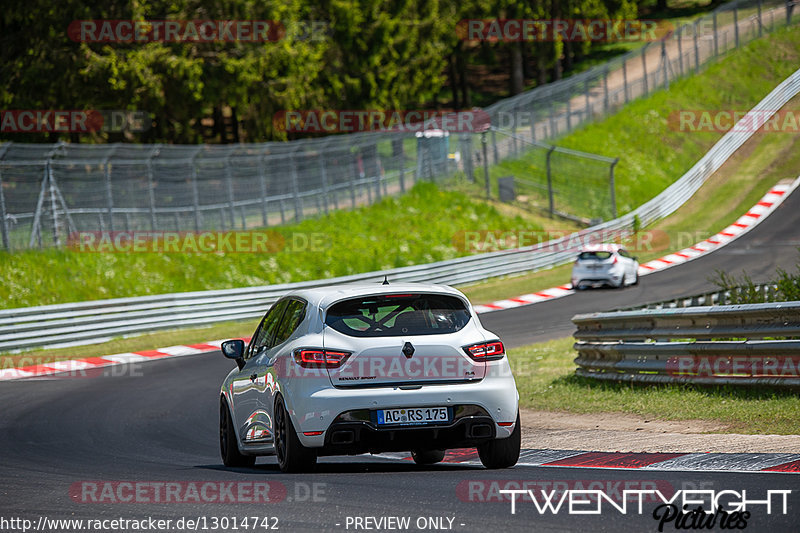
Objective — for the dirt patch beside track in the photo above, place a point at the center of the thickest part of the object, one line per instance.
(616, 432)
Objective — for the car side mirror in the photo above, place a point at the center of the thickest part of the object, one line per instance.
(234, 349)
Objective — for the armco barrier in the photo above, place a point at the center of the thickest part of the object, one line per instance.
(97, 321)
(705, 345)
(767, 291)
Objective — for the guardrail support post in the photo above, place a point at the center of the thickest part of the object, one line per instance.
(196, 197)
(298, 211)
(644, 69)
(54, 208)
(716, 37)
(613, 188)
(494, 148)
(229, 187)
(109, 196)
(696, 51)
(569, 115)
(36, 229)
(588, 104)
(151, 194)
(736, 25)
(3, 220)
(398, 150)
(486, 165)
(625, 80)
(680, 50)
(466, 158)
(550, 197)
(324, 176)
(262, 186)
(760, 22)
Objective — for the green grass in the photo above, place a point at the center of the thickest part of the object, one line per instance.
(763, 161)
(418, 227)
(653, 152)
(149, 341)
(546, 381)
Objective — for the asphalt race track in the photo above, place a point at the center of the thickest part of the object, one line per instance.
(772, 244)
(63, 438)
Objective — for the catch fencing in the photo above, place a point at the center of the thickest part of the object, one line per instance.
(97, 321)
(751, 344)
(48, 191)
(558, 108)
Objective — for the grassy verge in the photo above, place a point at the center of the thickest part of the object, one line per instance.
(546, 381)
(764, 160)
(150, 341)
(419, 227)
(646, 134)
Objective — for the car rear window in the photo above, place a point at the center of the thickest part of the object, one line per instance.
(594, 255)
(395, 315)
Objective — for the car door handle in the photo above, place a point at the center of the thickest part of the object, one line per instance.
(253, 377)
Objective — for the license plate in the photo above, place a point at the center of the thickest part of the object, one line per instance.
(415, 415)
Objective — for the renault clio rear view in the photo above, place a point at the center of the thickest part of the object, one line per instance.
(368, 369)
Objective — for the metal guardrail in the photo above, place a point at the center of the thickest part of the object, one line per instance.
(767, 291)
(97, 321)
(707, 345)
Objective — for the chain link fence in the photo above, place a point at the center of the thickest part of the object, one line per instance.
(48, 191)
(555, 109)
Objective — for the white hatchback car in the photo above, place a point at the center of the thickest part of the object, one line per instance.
(354, 369)
(608, 265)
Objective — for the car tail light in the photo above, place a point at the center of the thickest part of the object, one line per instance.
(486, 351)
(319, 358)
(614, 262)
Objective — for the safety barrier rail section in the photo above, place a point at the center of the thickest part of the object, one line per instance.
(749, 344)
(767, 292)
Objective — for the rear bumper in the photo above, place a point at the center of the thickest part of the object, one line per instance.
(470, 427)
(597, 282)
(496, 395)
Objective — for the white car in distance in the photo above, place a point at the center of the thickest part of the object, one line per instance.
(604, 265)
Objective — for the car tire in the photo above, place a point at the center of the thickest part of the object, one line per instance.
(502, 453)
(427, 457)
(292, 455)
(228, 447)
